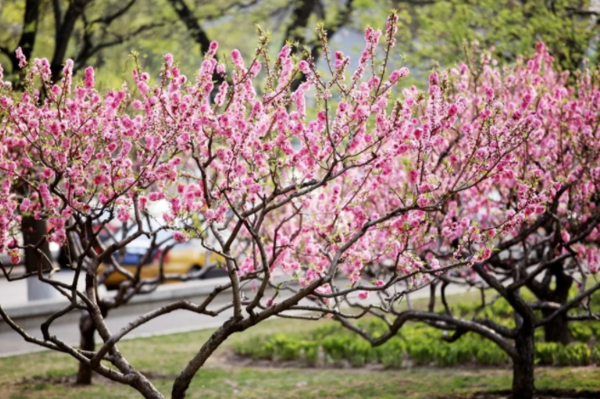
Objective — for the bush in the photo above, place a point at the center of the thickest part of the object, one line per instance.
(360, 352)
(450, 355)
(490, 354)
(581, 331)
(255, 347)
(310, 352)
(422, 344)
(390, 355)
(422, 353)
(576, 354)
(596, 354)
(545, 353)
(285, 347)
(334, 347)
(595, 329)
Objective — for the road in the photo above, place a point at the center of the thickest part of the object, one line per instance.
(12, 343)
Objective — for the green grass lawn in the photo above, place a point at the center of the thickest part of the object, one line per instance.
(48, 375)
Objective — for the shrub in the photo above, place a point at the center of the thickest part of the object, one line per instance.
(581, 331)
(285, 347)
(391, 354)
(595, 329)
(420, 342)
(335, 347)
(422, 353)
(490, 355)
(360, 352)
(576, 354)
(255, 347)
(310, 352)
(545, 352)
(452, 354)
(596, 354)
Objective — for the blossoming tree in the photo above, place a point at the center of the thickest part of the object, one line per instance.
(538, 212)
(407, 183)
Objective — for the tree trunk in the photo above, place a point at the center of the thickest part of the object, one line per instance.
(63, 36)
(33, 232)
(87, 330)
(523, 368)
(558, 329)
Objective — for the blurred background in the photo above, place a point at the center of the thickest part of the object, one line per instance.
(432, 33)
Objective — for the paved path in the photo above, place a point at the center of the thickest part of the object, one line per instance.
(16, 292)
(178, 321)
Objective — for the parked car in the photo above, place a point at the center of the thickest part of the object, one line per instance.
(183, 258)
(59, 253)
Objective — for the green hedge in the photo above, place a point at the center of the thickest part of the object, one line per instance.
(332, 344)
(422, 345)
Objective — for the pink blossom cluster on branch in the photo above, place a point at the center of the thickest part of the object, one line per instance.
(554, 174)
(378, 177)
(375, 177)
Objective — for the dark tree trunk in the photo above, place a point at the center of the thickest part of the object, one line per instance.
(87, 341)
(29, 32)
(558, 330)
(26, 41)
(523, 367)
(63, 35)
(33, 233)
(87, 330)
(186, 15)
(296, 30)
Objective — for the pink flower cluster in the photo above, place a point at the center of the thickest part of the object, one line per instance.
(382, 175)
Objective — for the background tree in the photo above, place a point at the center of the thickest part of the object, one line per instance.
(432, 33)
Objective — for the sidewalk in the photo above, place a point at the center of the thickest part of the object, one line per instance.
(14, 293)
(66, 328)
(30, 315)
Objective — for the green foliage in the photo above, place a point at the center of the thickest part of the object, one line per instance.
(310, 352)
(390, 355)
(151, 28)
(434, 33)
(489, 354)
(421, 352)
(430, 34)
(334, 347)
(576, 354)
(360, 352)
(545, 352)
(285, 347)
(453, 354)
(596, 354)
(422, 345)
(255, 347)
(581, 331)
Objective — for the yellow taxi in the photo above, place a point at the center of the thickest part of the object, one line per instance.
(184, 258)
